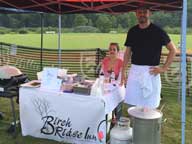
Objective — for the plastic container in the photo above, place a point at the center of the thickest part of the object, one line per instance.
(82, 90)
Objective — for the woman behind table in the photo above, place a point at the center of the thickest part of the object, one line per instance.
(112, 63)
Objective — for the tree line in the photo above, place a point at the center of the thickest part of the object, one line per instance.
(95, 22)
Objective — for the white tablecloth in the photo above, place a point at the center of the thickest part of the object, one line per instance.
(65, 116)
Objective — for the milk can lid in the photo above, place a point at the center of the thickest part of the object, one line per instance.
(148, 114)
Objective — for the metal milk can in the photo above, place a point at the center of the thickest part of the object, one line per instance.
(146, 126)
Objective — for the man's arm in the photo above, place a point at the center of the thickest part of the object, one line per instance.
(172, 52)
(127, 55)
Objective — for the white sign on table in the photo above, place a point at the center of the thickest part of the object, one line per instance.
(49, 79)
(61, 116)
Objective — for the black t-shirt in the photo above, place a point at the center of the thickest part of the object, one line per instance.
(146, 44)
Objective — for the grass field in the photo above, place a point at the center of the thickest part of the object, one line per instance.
(76, 40)
(171, 129)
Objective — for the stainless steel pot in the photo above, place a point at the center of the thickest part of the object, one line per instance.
(146, 126)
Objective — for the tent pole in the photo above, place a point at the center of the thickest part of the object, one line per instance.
(41, 53)
(179, 84)
(59, 41)
(183, 70)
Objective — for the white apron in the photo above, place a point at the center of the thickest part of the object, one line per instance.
(143, 89)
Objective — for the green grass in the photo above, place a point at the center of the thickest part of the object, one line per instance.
(171, 129)
(75, 40)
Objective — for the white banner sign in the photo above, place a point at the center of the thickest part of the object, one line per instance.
(63, 117)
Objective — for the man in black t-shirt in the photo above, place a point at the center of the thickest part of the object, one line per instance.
(143, 45)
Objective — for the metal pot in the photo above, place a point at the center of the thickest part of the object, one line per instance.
(146, 126)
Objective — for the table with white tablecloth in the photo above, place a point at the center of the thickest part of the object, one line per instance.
(66, 117)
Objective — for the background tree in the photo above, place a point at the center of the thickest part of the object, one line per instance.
(164, 19)
(80, 20)
(189, 13)
(113, 20)
(131, 19)
(51, 20)
(123, 20)
(121, 23)
(103, 23)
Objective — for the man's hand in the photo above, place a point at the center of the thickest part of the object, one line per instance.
(157, 70)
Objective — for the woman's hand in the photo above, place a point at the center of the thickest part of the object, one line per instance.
(123, 79)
